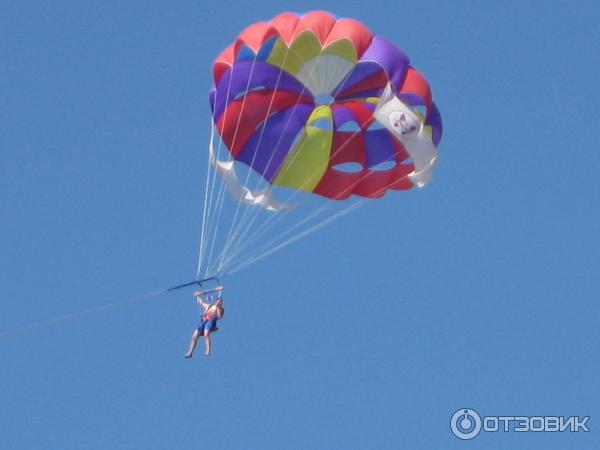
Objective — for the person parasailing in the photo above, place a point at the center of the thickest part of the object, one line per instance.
(212, 312)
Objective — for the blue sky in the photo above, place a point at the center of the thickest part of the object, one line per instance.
(479, 291)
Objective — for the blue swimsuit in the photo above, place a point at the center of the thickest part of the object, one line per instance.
(208, 322)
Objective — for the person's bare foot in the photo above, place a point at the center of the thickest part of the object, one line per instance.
(187, 356)
(206, 354)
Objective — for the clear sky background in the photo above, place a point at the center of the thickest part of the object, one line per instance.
(479, 291)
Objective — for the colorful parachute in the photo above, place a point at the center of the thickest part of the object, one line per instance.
(298, 96)
(317, 104)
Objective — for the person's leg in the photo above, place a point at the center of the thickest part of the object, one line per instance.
(207, 341)
(193, 342)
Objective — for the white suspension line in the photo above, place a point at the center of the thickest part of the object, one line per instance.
(235, 133)
(298, 236)
(273, 220)
(294, 156)
(210, 215)
(204, 209)
(318, 211)
(220, 202)
(238, 231)
(263, 125)
(244, 231)
(341, 213)
(282, 134)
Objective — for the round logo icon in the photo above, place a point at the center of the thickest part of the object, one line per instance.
(403, 124)
(465, 423)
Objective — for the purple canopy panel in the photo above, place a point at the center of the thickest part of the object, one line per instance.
(267, 148)
(393, 60)
(379, 147)
(211, 98)
(247, 76)
(342, 115)
(358, 73)
(411, 99)
(380, 63)
(434, 120)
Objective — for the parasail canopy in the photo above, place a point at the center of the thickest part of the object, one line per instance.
(309, 105)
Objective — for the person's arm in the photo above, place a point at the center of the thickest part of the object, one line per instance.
(201, 302)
